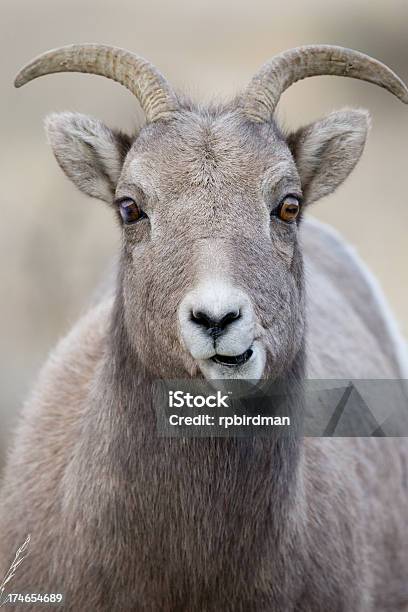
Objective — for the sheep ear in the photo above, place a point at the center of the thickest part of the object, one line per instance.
(89, 153)
(326, 151)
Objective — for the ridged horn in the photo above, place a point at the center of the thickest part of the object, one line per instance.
(133, 72)
(264, 91)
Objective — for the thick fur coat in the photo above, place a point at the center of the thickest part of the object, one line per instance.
(121, 519)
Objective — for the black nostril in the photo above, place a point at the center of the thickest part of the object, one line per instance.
(214, 326)
(228, 318)
(201, 318)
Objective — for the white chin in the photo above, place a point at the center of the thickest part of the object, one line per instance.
(251, 370)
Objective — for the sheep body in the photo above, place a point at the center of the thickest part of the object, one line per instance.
(120, 519)
(215, 258)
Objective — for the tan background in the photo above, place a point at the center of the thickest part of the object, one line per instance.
(56, 245)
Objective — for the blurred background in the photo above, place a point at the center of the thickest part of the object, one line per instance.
(56, 244)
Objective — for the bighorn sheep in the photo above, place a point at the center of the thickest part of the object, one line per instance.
(211, 283)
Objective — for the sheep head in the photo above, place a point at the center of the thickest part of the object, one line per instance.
(210, 201)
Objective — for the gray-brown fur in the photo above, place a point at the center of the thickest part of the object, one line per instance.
(121, 519)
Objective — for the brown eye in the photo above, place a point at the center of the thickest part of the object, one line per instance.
(130, 211)
(289, 209)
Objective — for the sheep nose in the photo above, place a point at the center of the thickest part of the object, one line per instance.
(214, 325)
(216, 315)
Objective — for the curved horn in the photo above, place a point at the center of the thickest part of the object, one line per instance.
(262, 95)
(135, 73)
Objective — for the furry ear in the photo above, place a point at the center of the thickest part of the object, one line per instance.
(89, 153)
(326, 151)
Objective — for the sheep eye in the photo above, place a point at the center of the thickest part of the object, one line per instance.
(289, 208)
(130, 211)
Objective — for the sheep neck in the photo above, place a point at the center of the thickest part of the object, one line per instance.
(216, 471)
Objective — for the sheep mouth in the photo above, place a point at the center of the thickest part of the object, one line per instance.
(232, 361)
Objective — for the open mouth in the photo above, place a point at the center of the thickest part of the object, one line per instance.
(234, 360)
